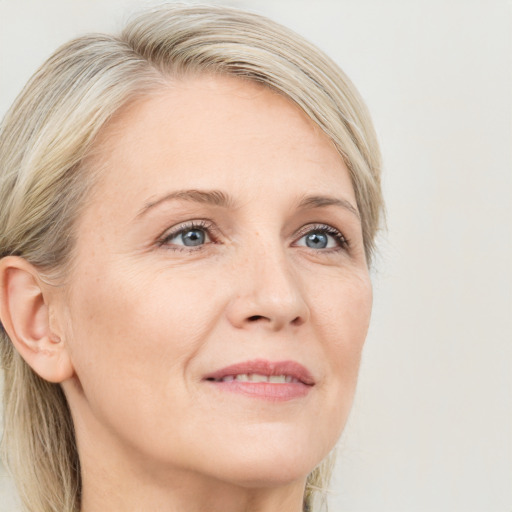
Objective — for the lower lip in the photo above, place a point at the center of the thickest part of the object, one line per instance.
(264, 390)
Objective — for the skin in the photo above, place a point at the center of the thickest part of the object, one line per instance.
(142, 320)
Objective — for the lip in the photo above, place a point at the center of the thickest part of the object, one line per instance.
(303, 380)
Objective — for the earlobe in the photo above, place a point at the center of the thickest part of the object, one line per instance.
(24, 312)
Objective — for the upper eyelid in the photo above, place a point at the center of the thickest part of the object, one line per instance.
(320, 226)
(312, 226)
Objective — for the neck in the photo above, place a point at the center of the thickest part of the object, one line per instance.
(116, 479)
(127, 488)
(186, 494)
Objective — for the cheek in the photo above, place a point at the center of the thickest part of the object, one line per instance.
(133, 328)
(131, 339)
(343, 320)
(344, 311)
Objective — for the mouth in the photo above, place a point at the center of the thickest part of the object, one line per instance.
(273, 380)
(257, 377)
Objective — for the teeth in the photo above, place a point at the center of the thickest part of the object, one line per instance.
(256, 377)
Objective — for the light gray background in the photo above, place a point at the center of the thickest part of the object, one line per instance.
(432, 423)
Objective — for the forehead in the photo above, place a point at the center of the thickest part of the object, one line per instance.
(215, 132)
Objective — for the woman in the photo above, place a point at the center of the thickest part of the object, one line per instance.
(187, 213)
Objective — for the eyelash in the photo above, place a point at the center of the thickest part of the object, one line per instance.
(210, 229)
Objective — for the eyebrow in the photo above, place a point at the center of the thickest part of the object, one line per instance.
(211, 197)
(320, 201)
(223, 200)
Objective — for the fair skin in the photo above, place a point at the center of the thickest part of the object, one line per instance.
(168, 288)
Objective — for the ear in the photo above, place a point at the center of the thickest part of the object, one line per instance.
(24, 312)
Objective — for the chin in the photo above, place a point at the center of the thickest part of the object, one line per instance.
(266, 474)
(274, 462)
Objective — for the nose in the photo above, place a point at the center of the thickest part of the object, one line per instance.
(267, 293)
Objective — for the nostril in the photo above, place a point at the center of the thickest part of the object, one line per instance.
(255, 318)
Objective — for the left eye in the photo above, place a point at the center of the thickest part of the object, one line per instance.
(322, 238)
(191, 236)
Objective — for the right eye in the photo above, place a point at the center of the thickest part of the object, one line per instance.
(187, 236)
(190, 238)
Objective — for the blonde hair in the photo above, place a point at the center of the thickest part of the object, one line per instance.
(51, 128)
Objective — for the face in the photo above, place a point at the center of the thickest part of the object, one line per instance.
(219, 298)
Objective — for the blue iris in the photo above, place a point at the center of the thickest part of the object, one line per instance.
(317, 240)
(193, 237)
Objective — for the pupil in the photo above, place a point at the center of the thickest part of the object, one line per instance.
(317, 240)
(193, 237)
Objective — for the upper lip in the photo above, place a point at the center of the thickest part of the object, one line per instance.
(264, 367)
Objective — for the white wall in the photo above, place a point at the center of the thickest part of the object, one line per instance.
(432, 424)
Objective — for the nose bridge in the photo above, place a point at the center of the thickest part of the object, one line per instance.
(269, 291)
(274, 279)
